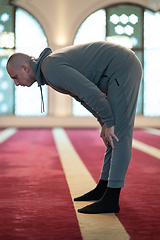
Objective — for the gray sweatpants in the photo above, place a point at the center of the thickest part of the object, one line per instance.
(122, 94)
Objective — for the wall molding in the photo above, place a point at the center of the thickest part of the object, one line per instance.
(69, 122)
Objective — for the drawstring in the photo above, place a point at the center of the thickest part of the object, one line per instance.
(42, 102)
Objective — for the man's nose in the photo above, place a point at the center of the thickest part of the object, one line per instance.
(16, 82)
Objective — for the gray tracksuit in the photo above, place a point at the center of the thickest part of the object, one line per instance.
(105, 78)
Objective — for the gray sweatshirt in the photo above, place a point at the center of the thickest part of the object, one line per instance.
(84, 71)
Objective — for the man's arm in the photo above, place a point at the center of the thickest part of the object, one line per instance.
(89, 109)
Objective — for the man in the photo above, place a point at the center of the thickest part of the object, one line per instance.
(105, 78)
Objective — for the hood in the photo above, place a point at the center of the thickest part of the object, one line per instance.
(36, 66)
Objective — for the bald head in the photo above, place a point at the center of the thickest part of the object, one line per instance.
(16, 60)
(20, 70)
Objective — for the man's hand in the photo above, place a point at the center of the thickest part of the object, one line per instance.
(107, 134)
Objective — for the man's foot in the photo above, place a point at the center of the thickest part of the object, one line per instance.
(109, 203)
(94, 194)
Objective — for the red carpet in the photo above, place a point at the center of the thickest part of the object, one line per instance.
(150, 139)
(140, 208)
(35, 202)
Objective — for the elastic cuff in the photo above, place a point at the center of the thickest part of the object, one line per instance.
(104, 178)
(100, 122)
(109, 124)
(115, 184)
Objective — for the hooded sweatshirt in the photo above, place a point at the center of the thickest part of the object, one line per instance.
(84, 72)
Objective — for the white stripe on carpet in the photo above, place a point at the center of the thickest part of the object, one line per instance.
(154, 152)
(153, 131)
(5, 134)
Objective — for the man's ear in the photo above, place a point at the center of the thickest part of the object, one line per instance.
(25, 67)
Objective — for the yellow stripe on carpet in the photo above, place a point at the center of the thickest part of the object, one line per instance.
(154, 152)
(5, 134)
(95, 226)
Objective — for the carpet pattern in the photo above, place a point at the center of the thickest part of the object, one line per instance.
(35, 202)
(140, 209)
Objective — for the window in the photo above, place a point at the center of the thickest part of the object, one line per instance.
(29, 39)
(151, 63)
(19, 32)
(93, 29)
(136, 28)
(6, 49)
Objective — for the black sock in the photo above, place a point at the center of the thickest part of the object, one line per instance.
(109, 203)
(94, 194)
